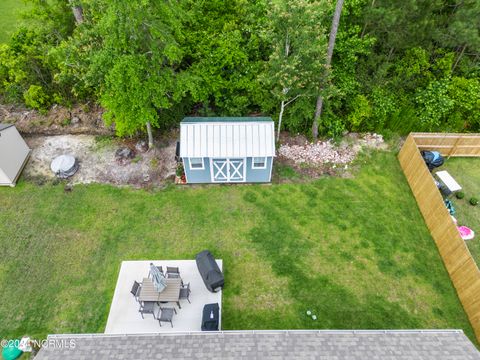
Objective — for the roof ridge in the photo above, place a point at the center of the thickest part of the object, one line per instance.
(259, 332)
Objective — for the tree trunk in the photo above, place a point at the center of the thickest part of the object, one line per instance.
(331, 45)
(390, 53)
(150, 135)
(318, 113)
(280, 116)
(459, 57)
(77, 11)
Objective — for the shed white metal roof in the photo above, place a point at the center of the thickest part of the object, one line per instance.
(227, 137)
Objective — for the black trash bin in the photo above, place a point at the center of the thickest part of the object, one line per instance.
(211, 317)
(209, 270)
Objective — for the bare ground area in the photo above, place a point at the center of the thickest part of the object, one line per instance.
(59, 120)
(98, 164)
(81, 132)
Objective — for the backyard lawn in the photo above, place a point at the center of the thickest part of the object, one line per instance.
(9, 17)
(355, 252)
(466, 171)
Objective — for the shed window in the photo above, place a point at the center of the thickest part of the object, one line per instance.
(196, 164)
(259, 163)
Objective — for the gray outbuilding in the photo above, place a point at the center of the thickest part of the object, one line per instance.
(14, 153)
(227, 149)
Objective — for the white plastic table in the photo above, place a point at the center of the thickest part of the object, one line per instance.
(448, 181)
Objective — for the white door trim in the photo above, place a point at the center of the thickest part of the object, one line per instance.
(231, 170)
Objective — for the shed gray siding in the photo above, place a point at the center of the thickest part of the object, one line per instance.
(258, 175)
(197, 176)
(204, 176)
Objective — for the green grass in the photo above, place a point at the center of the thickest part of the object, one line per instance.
(354, 251)
(466, 171)
(10, 17)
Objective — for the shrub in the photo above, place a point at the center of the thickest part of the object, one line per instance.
(36, 98)
(473, 201)
(460, 195)
(179, 171)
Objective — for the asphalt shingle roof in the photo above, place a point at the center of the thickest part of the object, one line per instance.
(315, 345)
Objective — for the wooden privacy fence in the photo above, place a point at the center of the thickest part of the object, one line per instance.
(449, 144)
(458, 261)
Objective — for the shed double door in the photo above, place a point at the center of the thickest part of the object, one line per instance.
(228, 170)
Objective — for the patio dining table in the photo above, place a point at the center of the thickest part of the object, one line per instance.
(170, 294)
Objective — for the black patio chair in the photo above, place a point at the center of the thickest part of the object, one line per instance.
(166, 315)
(184, 294)
(147, 307)
(173, 272)
(136, 289)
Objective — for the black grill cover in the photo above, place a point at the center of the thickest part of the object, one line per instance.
(210, 318)
(433, 159)
(209, 270)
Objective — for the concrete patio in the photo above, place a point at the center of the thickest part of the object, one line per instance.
(124, 317)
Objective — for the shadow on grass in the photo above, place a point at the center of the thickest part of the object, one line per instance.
(336, 306)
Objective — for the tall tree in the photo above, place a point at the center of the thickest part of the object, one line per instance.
(224, 54)
(331, 45)
(136, 50)
(297, 61)
(462, 29)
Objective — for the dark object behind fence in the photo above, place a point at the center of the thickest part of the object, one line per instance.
(433, 159)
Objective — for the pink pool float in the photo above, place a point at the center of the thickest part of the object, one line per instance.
(465, 232)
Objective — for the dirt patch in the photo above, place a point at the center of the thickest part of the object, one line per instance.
(98, 164)
(80, 119)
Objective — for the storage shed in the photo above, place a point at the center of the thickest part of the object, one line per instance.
(14, 153)
(227, 149)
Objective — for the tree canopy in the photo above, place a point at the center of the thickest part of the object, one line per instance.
(397, 66)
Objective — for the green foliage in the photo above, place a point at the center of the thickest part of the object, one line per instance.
(466, 95)
(135, 64)
(132, 95)
(460, 195)
(224, 52)
(433, 103)
(296, 65)
(332, 126)
(360, 112)
(398, 65)
(473, 201)
(36, 98)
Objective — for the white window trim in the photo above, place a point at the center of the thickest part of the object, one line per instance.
(259, 167)
(197, 168)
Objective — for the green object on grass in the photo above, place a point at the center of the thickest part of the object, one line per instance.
(473, 201)
(11, 352)
(460, 195)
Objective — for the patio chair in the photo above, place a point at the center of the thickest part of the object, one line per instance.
(159, 269)
(184, 294)
(136, 289)
(147, 307)
(173, 272)
(166, 315)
